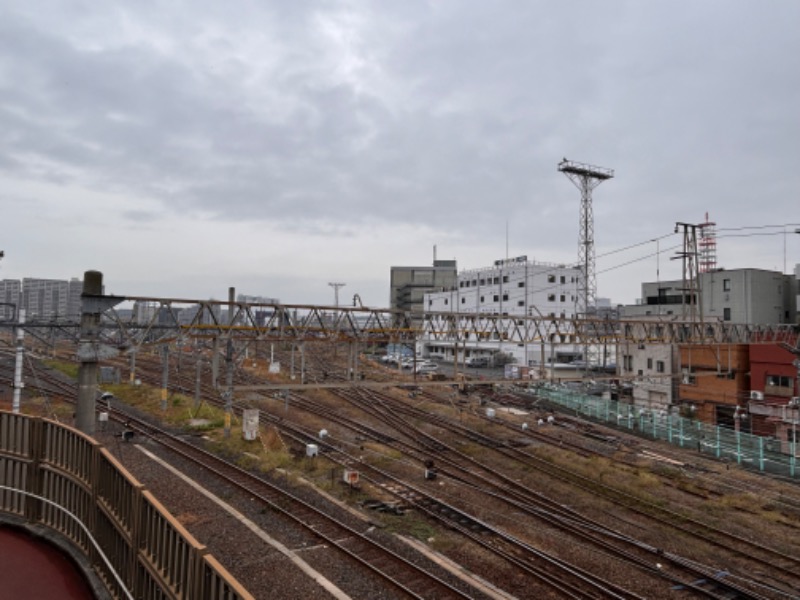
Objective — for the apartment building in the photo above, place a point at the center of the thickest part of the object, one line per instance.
(10, 292)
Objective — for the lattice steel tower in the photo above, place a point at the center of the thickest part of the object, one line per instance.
(708, 246)
(586, 178)
(691, 292)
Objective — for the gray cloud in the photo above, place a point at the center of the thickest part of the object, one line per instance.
(324, 118)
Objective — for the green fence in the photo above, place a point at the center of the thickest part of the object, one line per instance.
(750, 451)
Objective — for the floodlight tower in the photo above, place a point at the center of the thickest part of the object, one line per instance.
(586, 178)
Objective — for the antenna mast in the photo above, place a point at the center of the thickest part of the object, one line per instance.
(708, 246)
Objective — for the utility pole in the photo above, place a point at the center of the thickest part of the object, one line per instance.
(692, 300)
(336, 287)
(229, 365)
(164, 375)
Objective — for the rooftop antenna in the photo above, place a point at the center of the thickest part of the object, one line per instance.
(586, 178)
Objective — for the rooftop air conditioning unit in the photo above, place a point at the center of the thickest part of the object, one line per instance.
(756, 395)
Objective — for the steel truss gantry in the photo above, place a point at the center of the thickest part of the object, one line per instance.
(310, 323)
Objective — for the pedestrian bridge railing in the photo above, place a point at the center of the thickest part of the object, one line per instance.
(55, 476)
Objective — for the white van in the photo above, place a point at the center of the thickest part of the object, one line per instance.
(477, 361)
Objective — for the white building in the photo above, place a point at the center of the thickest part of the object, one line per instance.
(748, 296)
(510, 287)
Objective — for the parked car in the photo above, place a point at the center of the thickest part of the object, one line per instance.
(477, 361)
(426, 367)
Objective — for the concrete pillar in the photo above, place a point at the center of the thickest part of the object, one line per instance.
(18, 364)
(87, 371)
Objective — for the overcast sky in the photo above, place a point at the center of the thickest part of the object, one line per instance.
(276, 146)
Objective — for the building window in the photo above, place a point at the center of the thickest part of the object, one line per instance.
(726, 314)
(521, 284)
(649, 363)
(496, 298)
(551, 297)
(726, 285)
(445, 301)
(551, 279)
(482, 300)
(779, 381)
(496, 280)
(563, 279)
(505, 297)
(660, 366)
(461, 284)
(505, 278)
(483, 282)
(520, 302)
(463, 301)
(563, 298)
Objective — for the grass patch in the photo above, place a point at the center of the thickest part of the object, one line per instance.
(67, 368)
(408, 524)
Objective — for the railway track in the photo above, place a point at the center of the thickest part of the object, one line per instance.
(762, 556)
(429, 446)
(467, 471)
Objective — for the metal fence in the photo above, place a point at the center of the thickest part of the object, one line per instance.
(750, 451)
(53, 475)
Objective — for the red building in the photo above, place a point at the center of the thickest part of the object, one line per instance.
(775, 393)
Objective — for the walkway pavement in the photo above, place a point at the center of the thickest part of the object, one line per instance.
(31, 569)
